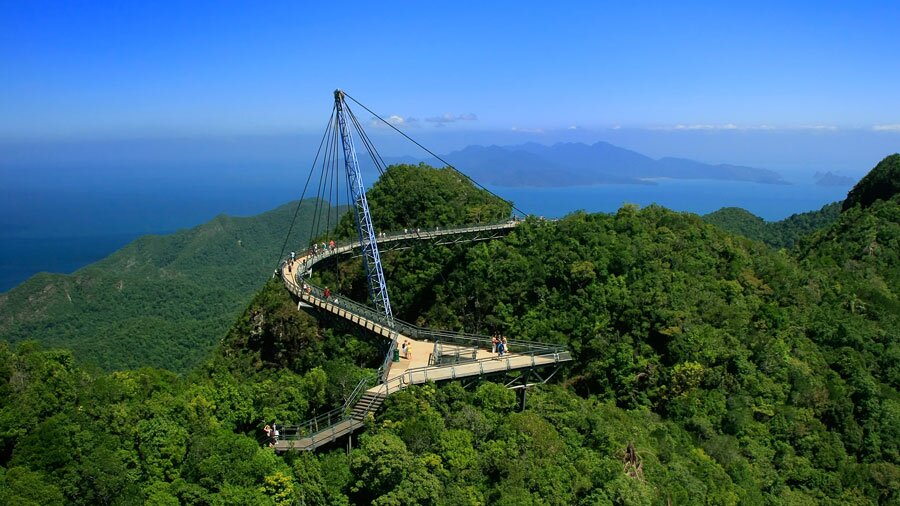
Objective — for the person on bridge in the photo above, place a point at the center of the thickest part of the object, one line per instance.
(505, 345)
(292, 256)
(404, 348)
(327, 293)
(331, 244)
(268, 432)
(494, 341)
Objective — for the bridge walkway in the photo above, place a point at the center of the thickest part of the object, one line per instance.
(434, 355)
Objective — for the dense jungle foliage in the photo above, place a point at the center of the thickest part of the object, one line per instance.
(777, 234)
(709, 369)
(161, 301)
(881, 183)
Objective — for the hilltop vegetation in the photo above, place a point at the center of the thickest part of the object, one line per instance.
(709, 369)
(779, 234)
(881, 183)
(161, 301)
(413, 196)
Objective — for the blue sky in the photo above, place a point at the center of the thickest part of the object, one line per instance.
(462, 70)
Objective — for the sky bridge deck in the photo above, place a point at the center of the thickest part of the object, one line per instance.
(470, 356)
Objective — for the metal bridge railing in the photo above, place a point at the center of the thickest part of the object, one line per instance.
(462, 347)
(331, 418)
(405, 329)
(318, 254)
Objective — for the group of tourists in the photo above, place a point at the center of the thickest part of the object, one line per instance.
(499, 345)
(271, 433)
(406, 350)
(321, 248)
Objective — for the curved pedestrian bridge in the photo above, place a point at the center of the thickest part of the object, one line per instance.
(434, 355)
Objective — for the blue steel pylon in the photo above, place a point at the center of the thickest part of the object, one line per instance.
(371, 258)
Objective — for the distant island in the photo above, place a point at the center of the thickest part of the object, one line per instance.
(578, 164)
(831, 179)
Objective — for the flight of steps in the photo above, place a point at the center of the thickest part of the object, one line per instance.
(368, 403)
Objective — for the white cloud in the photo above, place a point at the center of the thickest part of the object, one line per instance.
(394, 119)
(729, 126)
(528, 130)
(895, 127)
(450, 118)
(734, 127)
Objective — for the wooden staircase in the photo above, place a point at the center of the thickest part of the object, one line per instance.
(368, 403)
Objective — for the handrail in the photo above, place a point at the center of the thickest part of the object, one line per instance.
(338, 414)
(315, 425)
(318, 254)
(407, 329)
(328, 420)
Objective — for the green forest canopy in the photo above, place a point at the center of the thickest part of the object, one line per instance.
(708, 368)
(420, 196)
(881, 183)
(779, 234)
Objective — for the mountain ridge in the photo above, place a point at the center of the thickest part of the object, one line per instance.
(161, 300)
(578, 164)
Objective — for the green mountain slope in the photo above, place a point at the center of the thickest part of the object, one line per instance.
(778, 234)
(410, 196)
(881, 183)
(162, 301)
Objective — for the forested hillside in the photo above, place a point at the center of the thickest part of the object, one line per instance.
(413, 196)
(881, 183)
(709, 369)
(161, 301)
(778, 234)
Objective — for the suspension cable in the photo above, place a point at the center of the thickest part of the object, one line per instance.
(305, 186)
(329, 171)
(445, 162)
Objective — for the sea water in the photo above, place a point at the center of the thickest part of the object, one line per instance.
(771, 202)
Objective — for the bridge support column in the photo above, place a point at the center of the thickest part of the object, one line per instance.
(525, 378)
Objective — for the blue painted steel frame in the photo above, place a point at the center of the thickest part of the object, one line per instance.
(371, 258)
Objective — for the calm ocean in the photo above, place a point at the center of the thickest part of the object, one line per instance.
(768, 201)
